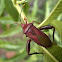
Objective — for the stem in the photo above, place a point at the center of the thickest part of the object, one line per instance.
(19, 2)
(14, 2)
(19, 9)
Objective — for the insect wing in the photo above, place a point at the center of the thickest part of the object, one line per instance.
(44, 41)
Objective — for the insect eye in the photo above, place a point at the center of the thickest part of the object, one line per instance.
(30, 24)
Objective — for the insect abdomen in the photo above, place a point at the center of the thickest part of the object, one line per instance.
(44, 41)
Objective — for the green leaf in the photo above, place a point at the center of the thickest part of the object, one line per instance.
(32, 58)
(10, 32)
(52, 54)
(6, 20)
(2, 6)
(26, 8)
(54, 13)
(35, 8)
(27, 0)
(49, 6)
(17, 57)
(9, 46)
(11, 10)
(58, 26)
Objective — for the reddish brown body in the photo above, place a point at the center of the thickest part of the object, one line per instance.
(36, 35)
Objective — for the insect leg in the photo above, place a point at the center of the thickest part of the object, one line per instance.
(48, 27)
(36, 22)
(28, 48)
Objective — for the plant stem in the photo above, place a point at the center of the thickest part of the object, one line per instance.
(19, 2)
(14, 2)
(19, 9)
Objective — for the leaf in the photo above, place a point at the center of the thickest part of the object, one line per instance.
(54, 13)
(2, 6)
(49, 6)
(26, 8)
(35, 8)
(52, 54)
(10, 32)
(9, 46)
(11, 10)
(32, 58)
(6, 20)
(57, 25)
(17, 57)
(27, 0)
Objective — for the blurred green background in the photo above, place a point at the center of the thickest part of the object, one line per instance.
(12, 38)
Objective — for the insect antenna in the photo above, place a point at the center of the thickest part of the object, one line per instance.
(35, 22)
(21, 12)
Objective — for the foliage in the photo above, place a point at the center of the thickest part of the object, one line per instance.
(13, 9)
